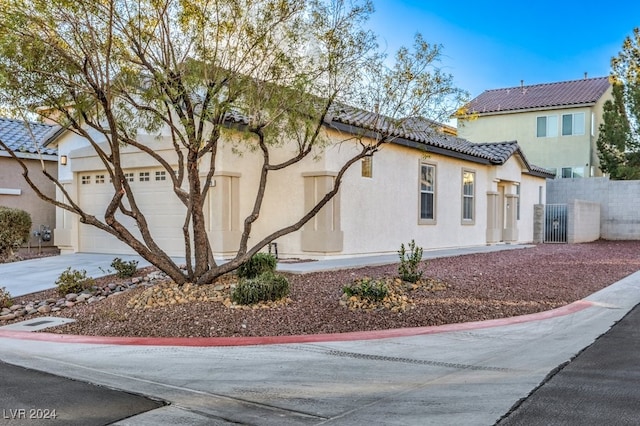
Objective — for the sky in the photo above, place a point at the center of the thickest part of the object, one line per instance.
(491, 45)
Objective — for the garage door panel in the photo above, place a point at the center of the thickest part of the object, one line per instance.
(164, 213)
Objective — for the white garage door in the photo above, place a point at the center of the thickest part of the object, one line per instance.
(155, 198)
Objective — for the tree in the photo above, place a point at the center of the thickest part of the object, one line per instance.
(112, 69)
(619, 139)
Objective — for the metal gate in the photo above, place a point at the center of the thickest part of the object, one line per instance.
(555, 223)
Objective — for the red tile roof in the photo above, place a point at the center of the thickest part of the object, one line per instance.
(539, 96)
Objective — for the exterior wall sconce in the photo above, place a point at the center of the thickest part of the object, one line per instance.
(63, 160)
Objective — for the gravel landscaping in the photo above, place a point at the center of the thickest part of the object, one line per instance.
(469, 288)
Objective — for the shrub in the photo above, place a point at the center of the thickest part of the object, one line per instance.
(15, 227)
(73, 281)
(257, 265)
(124, 269)
(268, 286)
(367, 288)
(5, 298)
(409, 262)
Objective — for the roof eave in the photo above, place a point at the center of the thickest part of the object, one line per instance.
(521, 110)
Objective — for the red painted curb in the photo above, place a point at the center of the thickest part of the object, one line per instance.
(310, 338)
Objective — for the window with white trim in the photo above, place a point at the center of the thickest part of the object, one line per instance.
(573, 124)
(518, 202)
(427, 192)
(572, 172)
(161, 175)
(86, 179)
(468, 195)
(547, 126)
(99, 178)
(129, 177)
(143, 176)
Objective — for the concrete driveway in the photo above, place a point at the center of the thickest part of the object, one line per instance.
(33, 275)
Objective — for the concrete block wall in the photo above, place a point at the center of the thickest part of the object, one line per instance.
(619, 203)
(584, 221)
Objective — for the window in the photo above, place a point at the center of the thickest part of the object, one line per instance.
(99, 178)
(86, 179)
(573, 124)
(427, 192)
(367, 167)
(129, 177)
(144, 176)
(572, 172)
(547, 126)
(518, 202)
(161, 175)
(468, 195)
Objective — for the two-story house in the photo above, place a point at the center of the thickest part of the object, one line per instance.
(555, 124)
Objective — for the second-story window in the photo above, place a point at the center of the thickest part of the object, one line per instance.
(573, 124)
(547, 126)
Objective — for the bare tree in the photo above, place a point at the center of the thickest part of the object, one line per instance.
(272, 70)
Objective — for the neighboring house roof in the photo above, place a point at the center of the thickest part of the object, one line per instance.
(540, 96)
(17, 137)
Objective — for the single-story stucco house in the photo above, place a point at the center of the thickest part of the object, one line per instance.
(427, 185)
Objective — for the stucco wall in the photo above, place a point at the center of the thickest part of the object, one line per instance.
(619, 203)
(15, 192)
(583, 221)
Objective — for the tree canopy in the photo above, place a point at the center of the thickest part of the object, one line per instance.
(619, 139)
(110, 70)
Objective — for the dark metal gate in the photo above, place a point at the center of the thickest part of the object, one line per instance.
(555, 223)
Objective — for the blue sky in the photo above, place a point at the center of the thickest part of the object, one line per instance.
(490, 45)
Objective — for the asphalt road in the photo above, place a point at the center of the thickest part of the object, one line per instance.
(600, 386)
(30, 397)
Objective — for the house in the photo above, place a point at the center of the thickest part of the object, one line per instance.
(555, 124)
(29, 145)
(427, 185)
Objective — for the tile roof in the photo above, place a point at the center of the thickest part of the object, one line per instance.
(14, 134)
(427, 133)
(539, 96)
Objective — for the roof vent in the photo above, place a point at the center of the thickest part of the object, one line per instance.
(585, 75)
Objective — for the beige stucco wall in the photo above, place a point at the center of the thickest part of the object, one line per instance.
(549, 152)
(15, 192)
(369, 216)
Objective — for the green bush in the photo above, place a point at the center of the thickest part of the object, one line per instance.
(15, 227)
(124, 269)
(409, 262)
(257, 265)
(73, 281)
(367, 288)
(265, 287)
(5, 298)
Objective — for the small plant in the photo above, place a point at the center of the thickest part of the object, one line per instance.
(409, 262)
(73, 281)
(268, 286)
(257, 265)
(124, 269)
(367, 288)
(5, 298)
